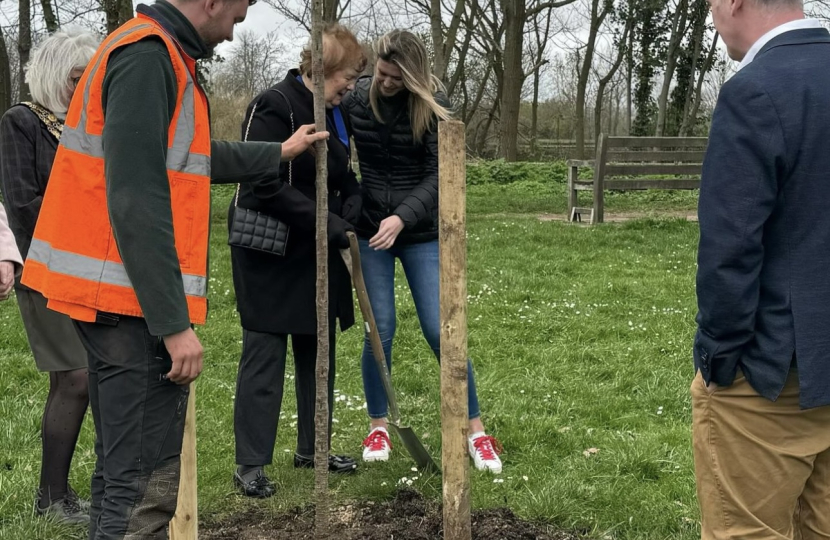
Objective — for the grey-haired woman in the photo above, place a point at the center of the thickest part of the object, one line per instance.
(29, 134)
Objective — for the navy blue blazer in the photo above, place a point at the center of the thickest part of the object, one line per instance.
(763, 279)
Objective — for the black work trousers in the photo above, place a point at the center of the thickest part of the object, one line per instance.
(139, 425)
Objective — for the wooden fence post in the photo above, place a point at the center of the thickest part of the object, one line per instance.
(452, 242)
(185, 523)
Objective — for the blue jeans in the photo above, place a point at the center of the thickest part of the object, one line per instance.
(420, 264)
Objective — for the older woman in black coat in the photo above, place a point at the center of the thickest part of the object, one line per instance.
(276, 294)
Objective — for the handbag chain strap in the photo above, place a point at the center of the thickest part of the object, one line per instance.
(245, 138)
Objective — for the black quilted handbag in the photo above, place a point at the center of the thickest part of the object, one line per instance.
(255, 230)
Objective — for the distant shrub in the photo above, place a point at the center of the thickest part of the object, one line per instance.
(501, 172)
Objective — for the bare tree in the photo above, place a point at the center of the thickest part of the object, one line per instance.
(254, 64)
(599, 11)
(5, 75)
(678, 30)
(609, 76)
(24, 45)
(117, 12)
(541, 33)
(515, 15)
(690, 114)
(299, 11)
(49, 17)
(443, 40)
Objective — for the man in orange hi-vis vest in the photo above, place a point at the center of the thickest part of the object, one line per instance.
(121, 244)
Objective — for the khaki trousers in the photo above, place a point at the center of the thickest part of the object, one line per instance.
(762, 467)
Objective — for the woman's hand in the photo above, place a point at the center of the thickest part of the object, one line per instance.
(337, 229)
(302, 140)
(6, 278)
(388, 231)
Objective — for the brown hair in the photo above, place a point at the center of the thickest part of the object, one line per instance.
(341, 50)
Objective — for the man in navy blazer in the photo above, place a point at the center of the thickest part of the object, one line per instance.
(761, 397)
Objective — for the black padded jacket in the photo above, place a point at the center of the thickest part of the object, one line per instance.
(399, 176)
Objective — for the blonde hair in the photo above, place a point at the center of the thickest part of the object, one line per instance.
(409, 54)
(341, 50)
(48, 70)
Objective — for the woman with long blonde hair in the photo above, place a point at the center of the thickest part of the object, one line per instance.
(394, 116)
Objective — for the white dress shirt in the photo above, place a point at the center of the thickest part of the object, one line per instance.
(799, 24)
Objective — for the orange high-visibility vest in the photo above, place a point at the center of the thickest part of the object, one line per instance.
(73, 260)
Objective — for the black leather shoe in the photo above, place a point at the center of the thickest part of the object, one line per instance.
(337, 464)
(259, 488)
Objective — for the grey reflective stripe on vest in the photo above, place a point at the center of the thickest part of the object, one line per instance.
(77, 139)
(98, 270)
(179, 158)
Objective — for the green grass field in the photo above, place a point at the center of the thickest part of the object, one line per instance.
(581, 339)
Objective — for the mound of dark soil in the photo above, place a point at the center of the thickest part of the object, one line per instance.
(408, 516)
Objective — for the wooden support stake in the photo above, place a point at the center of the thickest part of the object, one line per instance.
(185, 523)
(321, 416)
(452, 192)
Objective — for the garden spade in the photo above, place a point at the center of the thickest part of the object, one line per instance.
(405, 433)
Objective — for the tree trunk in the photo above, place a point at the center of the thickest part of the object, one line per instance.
(514, 19)
(597, 18)
(615, 120)
(321, 417)
(49, 16)
(125, 11)
(482, 140)
(117, 12)
(330, 8)
(678, 31)
(473, 107)
(534, 114)
(5, 75)
(649, 37)
(690, 119)
(609, 128)
(698, 37)
(539, 61)
(24, 46)
(439, 62)
(629, 83)
(603, 83)
(453, 81)
(690, 85)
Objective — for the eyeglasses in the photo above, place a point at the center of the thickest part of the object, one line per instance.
(75, 80)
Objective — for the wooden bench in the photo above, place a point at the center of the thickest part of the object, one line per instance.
(630, 163)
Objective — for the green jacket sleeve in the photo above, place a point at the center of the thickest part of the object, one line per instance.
(139, 98)
(234, 162)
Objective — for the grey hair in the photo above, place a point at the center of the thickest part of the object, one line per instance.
(52, 61)
(776, 4)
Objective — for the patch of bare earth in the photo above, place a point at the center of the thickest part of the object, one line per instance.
(409, 516)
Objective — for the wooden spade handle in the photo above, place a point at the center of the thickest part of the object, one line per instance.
(351, 257)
